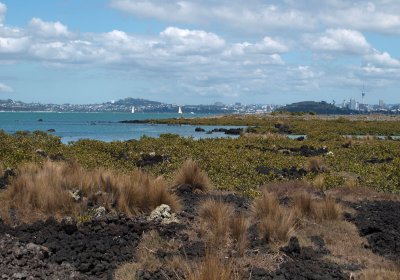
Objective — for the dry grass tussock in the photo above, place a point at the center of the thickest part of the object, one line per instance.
(47, 190)
(379, 274)
(190, 173)
(275, 222)
(239, 226)
(317, 165)
(326, 209)
(319, 182)
(215, 218)
(211, 268)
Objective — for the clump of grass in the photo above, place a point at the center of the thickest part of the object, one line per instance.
(327, 209)
(140, 192)
(43, 189)
(379, 274)
(239, 226)
(190, 173)
(351, 182)
(216, 218)
(319, 182)
(304, 204)
(46, 191)
(317, 165)
(211, 268)
(275, 222)
(266, 204)
(127, 271)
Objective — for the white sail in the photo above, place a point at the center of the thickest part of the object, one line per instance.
(180, 110)
(133, 109)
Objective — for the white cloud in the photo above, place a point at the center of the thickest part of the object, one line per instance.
(266, 46)
(48, 29)
(254, 17)
(339, 40)
(257, 16)
(5, 88)
(3, 10)
(383, 17)
(382, 59)
(13, 45)
(184, 40)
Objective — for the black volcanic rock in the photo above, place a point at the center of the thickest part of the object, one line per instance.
(379, 222)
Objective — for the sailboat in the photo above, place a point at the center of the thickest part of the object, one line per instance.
(180, 110)
(133, 110)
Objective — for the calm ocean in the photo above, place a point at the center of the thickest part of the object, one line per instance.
(99, 126)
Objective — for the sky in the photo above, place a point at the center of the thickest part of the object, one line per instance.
(200, 51)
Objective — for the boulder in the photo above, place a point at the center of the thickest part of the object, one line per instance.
(41, 153)
(163, 214)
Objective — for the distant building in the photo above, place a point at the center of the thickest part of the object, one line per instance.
(353, 104)
(219, 104)
(381, 104)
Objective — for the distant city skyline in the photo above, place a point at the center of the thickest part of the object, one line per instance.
(200, 52)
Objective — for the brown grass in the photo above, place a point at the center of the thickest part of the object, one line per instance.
(319, 182)
(190, 173)
(211, 268)
(127, 271)
(327, 209)
(316, 164)
(284, 189)
(215, 218)
(379, 274)
(342, 239)
(239, 226)
(304, 204)
(357, 194)
(42, 191)
(265, 205)
(275, 222)
(351, 183)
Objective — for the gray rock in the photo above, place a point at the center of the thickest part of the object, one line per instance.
(163, 214)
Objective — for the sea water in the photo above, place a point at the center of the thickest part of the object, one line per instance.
(100, 126)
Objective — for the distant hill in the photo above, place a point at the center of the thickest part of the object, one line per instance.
(321, 108)
(136, 102)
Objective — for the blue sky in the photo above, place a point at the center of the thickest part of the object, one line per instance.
(199, 51)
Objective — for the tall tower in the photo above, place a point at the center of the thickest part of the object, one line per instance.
(363, 94)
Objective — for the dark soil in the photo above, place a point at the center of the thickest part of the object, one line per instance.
(150, 160)
(93, 249)
(302, 263)
(283, 128)
(228, 131)
(379, 222)
(5, 178)
(378, 160)
(306, 151)
(288, 173)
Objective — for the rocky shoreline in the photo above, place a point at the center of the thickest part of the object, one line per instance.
(94, 249)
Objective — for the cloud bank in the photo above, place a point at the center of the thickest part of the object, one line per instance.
(327, 40)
